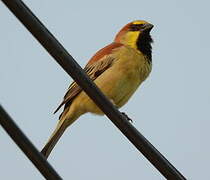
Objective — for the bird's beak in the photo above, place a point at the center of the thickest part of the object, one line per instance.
(147, 27)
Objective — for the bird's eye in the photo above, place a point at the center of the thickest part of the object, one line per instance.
(136, 27)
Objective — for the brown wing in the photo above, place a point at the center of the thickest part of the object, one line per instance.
(95, 67)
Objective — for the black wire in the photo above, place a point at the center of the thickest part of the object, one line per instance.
(48, 41)
(27, 147)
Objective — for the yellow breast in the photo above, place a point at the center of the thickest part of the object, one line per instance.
(129, 70)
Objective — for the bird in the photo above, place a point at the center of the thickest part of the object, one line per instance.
(118, 69)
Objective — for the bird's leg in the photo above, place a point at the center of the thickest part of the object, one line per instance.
(126, 116)
(123, 113)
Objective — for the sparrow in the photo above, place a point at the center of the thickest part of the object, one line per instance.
(117, 69)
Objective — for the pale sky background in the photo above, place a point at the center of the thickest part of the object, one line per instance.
(171, 109)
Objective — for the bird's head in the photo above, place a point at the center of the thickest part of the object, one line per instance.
(136, 34)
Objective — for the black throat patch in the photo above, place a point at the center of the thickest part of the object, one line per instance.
(144, 44)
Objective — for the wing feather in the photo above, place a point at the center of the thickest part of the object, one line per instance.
(99, 63)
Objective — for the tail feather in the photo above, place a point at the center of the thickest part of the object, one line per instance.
(66, 119)
(61, 127)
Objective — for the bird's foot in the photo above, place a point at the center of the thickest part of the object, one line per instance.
(126, 116)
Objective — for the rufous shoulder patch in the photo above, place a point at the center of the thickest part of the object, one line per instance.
(104, 51)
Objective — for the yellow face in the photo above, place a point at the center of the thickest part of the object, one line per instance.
(130, 38)
(130, 33)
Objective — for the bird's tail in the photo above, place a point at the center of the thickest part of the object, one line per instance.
(61, 127)
(58, 132)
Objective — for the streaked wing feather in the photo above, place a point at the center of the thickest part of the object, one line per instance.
(93, 70)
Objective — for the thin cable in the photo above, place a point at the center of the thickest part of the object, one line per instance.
(27, 147)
